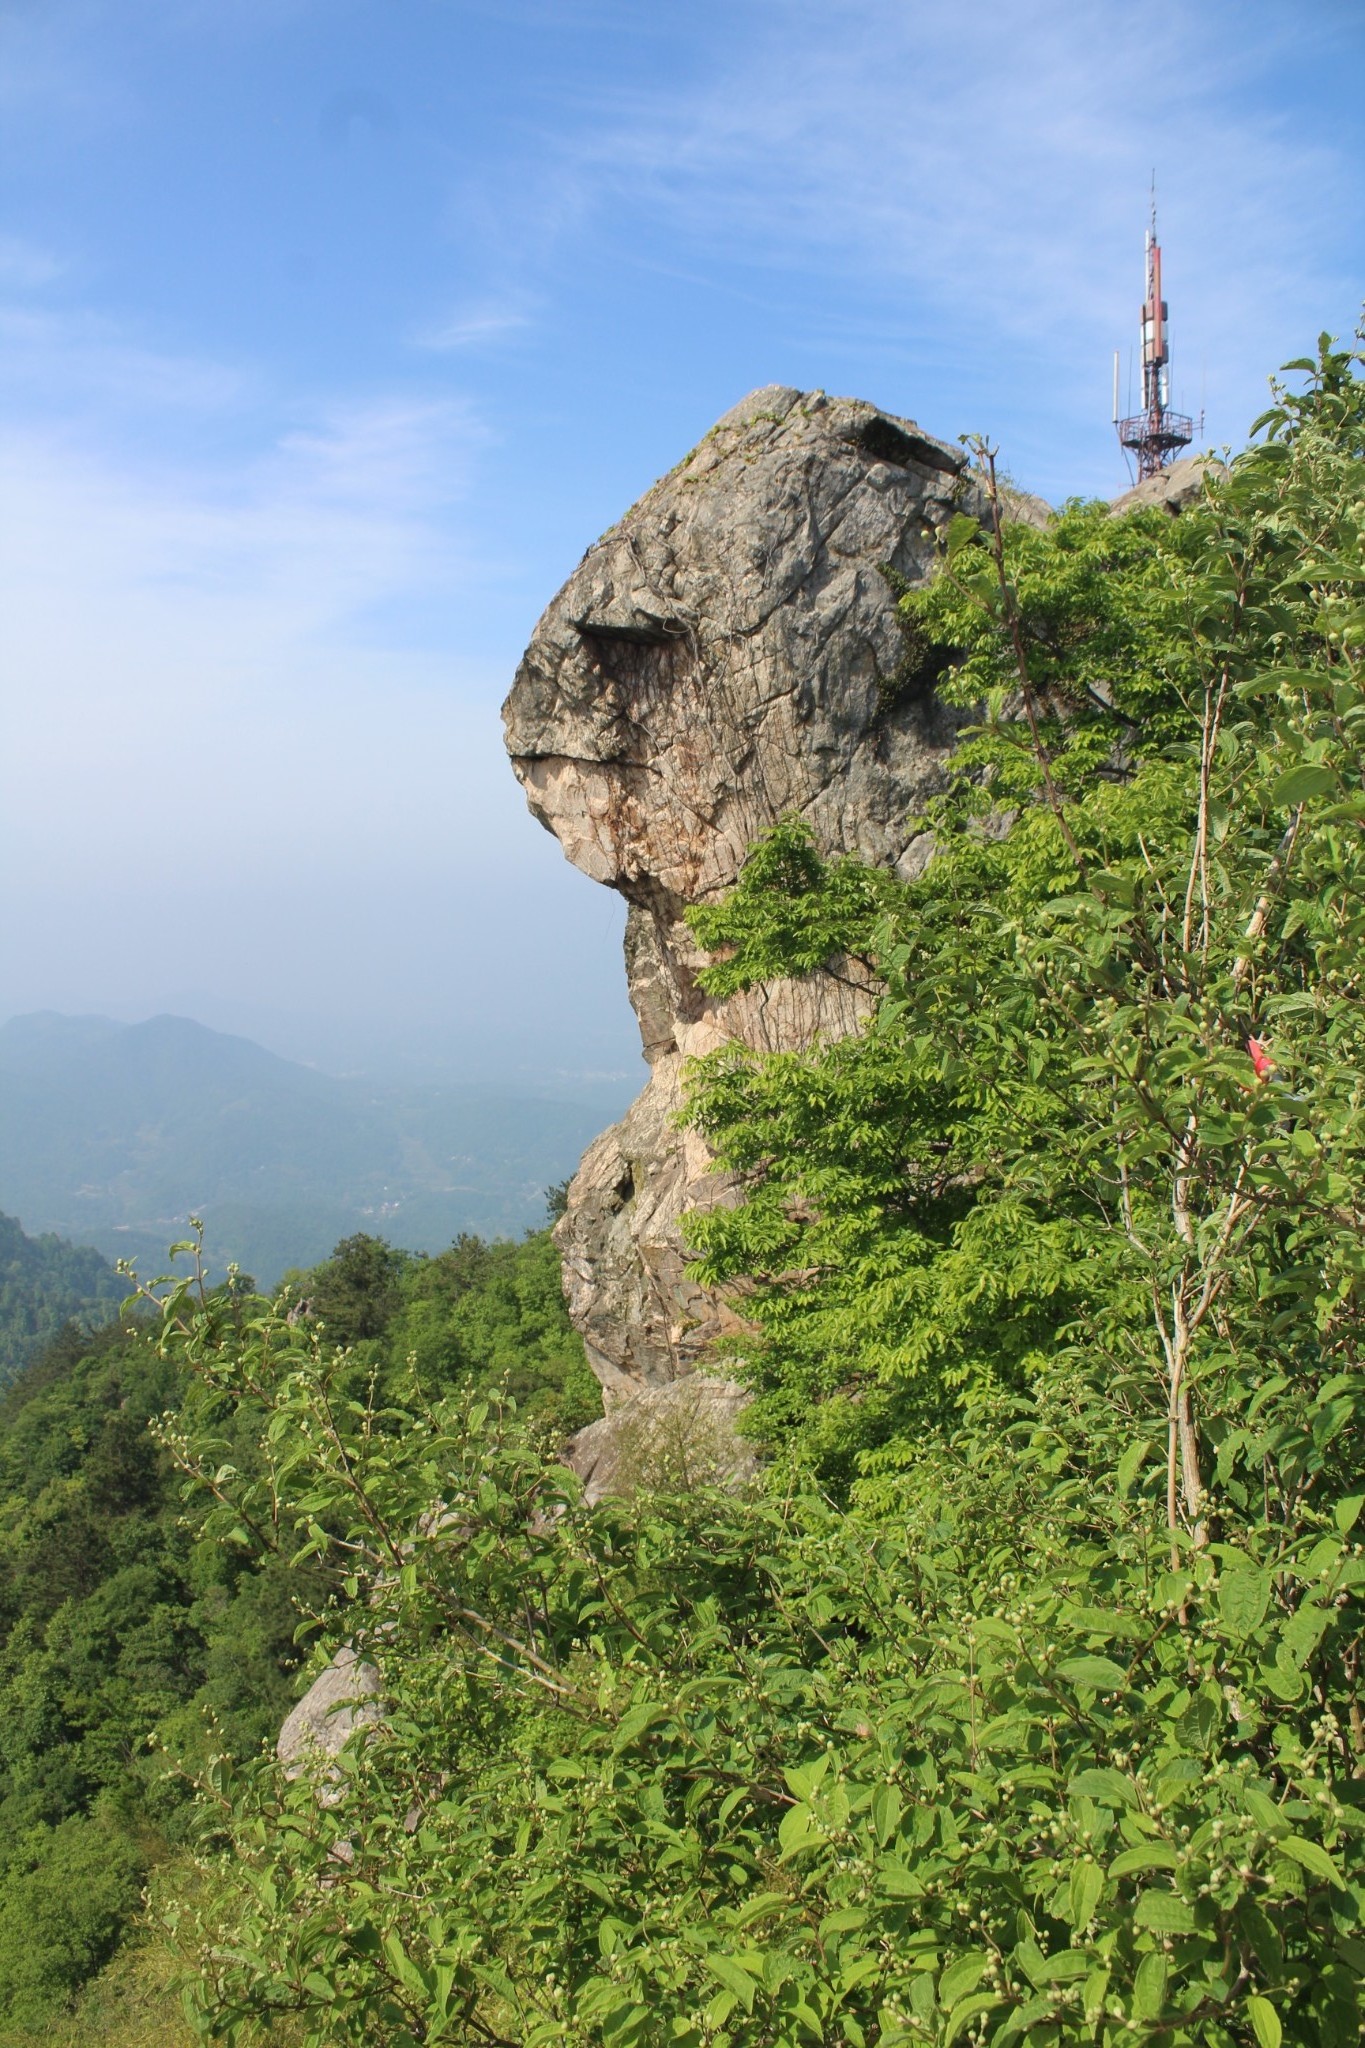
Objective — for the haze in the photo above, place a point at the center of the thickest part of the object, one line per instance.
(332, 331)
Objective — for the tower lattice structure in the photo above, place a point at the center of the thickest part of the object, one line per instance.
(1156, 433)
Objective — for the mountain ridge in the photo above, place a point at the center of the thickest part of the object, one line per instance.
(113, 1134)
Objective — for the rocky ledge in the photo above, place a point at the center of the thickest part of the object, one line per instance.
(727, 655)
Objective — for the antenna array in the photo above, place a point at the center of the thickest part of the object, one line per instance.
(1156, 433)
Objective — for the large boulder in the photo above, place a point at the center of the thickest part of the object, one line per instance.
(344, 1697)
(726, 655)
(1173, 488)
(669, 1438)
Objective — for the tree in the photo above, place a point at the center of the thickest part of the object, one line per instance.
(356, 1292)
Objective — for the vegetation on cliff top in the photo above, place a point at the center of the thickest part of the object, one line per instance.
(1024, 1704)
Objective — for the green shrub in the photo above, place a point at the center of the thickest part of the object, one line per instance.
(65, 1895)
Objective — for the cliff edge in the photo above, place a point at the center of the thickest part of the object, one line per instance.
(726, 655)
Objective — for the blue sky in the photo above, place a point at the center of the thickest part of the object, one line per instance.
(332, 331)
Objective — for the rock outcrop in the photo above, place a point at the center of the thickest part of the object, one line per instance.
(726, 655)
(342, 1698)
(680, 1435)
(1173, 488)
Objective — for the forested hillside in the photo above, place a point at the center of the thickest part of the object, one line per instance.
(133, 1646)
(115, 1134)
(1020, 1702)
(45, 1283)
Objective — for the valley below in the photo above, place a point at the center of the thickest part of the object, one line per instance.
(113, 1135)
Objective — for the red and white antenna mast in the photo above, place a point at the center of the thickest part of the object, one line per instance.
(1156, 433)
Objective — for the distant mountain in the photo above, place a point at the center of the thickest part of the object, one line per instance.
(45, 1283)
(112, 1134)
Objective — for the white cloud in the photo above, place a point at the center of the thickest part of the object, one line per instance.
(474, 325)
(234, 680)
(24, 267)
(230, 762)
(974, 181)
(177, 643)
(228, 766)
(69, 360)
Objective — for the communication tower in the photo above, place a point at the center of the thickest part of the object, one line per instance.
(1156, 433)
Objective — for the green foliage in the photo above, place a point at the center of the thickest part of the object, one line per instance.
(789, 913)
(119, 1631)
(135, 2000)
(490, 1319)
(355, 1293)
(709, 1769)
(65, 1894)
(133, 1644)
(1102, 609)
(106, 1600)
(1025, 1704)
(989, 1175)
(44, 1284)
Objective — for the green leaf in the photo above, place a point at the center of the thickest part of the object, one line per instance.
(962, 531)
(1346, 1511)
(1286, 1684)
(728, 1972)
(968, 2010)
(886, 1812)
(1093, 1995)
(1095, 1674)
(1310, 1857)
(1131, 1463)
(923, 1998)
(403, 1967)
(1109, 1786)
(846, 1921)
(1308, 780)
(798, 1831)
(1087, 1889)
(1149, 1987)
(1164, 1912)
(633, 1724)
(1145, 1856)
(717, 2012)
(609, 1934)
(760, 1907)
(961, 1977)
(805, 1779)
(1263, 1811)
(1243, 1597)
(1301, 1634)
(1265, 2021)
(1065, 1966)
(1031, 1961)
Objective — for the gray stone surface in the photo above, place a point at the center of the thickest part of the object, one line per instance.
(341, 1699)
(1025, 509)
(673, 1438)
(727, 654)
(1173, 488)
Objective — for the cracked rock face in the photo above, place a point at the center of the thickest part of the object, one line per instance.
(725, 656)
